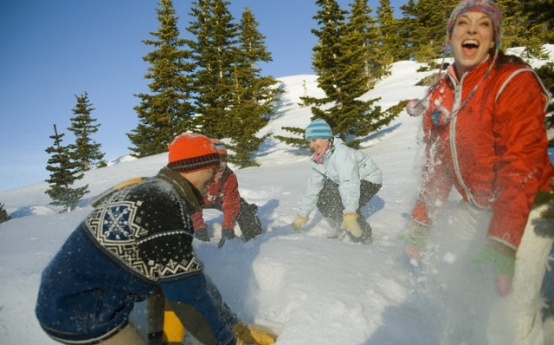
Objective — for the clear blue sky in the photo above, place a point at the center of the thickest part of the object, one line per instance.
(51, 51)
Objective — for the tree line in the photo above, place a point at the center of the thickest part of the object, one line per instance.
(212, 84)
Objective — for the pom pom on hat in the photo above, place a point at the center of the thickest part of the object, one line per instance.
(488, 7)
(191, 152)
(220, 147)
(318, 129)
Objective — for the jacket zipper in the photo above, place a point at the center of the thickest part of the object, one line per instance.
(457, 101)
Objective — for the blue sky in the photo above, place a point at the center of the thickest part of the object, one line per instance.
(51, 51)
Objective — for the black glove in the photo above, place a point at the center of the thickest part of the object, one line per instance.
(226, 234)
(156, 338)
(202, 235)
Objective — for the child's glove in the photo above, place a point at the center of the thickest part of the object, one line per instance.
(299, 223)
(350, 223)
(250, 335)
(502, 256)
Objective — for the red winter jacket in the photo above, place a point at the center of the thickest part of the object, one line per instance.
(224, 196)
(494, 151)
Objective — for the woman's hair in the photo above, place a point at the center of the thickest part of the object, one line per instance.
(504, 58)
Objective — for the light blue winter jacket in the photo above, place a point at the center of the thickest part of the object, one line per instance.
(346, 167)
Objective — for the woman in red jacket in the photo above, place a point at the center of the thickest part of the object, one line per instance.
(484, 136)
(224, 196)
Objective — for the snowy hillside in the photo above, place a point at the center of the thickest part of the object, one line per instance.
(306, 287)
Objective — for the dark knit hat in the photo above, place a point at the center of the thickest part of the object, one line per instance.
(191, 152)
(318, 129)
(488, 7)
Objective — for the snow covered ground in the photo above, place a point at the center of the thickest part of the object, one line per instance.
(306, 287)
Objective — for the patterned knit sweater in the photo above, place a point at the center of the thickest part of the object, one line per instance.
(137, 239)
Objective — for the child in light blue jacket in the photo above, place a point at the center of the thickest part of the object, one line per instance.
(342, 181)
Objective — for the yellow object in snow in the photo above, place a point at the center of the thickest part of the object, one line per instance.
(121, 185)
(247, 334)
(174, 331)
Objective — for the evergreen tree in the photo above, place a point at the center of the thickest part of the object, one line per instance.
(254, 94)
(422, 30)
(362, 42)
(430, 34)
(166, 112)
(298, 140)
(541, 11)
(85, 151)
(390, 41)
(337, 61)
(213, 55)
(64, 172)
(407, 30)
(521, 29)
(4, 217)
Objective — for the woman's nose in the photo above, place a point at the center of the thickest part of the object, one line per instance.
(472, 28)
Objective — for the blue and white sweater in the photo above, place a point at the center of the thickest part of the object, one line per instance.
(138, 239)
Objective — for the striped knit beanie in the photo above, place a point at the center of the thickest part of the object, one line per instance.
(190, 152)
(488, 7)
(318, 129)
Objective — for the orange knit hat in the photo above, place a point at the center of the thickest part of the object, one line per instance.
(191, 151)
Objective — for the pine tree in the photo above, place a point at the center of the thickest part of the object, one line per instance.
(4, 217)
(338, 59)
(363, 42)
(297, 140)
(406, 29)
(213, 55)
(390, 42)
(432, 19)
(85, 151)
(254, 95)
(541, 11)
(521, 29)
(64, 172)
(166, 112)
(423, 28)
